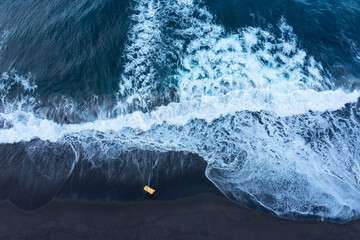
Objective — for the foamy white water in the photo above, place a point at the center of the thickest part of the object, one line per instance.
(263, 114)
(26, 126)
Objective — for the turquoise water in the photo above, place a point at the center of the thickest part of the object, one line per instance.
(266, 92)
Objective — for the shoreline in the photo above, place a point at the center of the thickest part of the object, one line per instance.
(203, 216)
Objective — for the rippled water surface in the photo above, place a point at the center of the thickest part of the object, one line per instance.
(266, 92)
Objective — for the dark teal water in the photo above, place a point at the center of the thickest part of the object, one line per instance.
(75, 48)
(266, 92)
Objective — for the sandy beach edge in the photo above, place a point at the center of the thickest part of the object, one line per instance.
(203, 216)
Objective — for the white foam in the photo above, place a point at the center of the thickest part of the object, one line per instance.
(142, 52)
(10, 80)
(26, 126)
(295, 154)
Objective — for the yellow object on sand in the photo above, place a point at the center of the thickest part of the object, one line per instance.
(149, 190)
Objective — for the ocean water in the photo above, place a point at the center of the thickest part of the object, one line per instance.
(265, 92)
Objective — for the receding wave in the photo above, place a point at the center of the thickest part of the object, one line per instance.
(263, 114)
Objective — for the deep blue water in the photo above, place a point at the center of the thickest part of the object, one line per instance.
(266, 92)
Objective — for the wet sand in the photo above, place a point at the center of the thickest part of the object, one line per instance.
(204, 216)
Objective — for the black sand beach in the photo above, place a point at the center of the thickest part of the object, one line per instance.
(203, 216)
(255, 100)
(186, 205)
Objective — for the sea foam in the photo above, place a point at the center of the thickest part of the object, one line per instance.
(265, 116)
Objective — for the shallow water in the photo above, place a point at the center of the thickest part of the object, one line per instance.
(266, 92)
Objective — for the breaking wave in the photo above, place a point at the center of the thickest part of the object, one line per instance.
(263, 114)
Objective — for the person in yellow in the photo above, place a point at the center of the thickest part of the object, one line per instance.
(149, 190)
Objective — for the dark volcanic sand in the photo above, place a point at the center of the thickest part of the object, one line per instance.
(200, 217)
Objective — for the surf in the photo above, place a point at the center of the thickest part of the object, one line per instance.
(265, 116)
